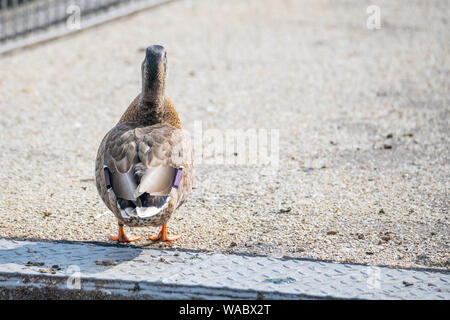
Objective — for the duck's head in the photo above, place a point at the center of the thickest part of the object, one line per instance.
(154, 72)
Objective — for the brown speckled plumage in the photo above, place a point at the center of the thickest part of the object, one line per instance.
(149, 134)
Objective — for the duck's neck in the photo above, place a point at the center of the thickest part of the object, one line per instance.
(151, 106)
(152, 93)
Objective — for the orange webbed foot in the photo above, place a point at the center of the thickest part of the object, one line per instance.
(163, 236)
(122, 237)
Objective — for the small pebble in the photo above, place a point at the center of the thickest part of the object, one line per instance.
(285, 210)
(407, 284)
(34, 264)
(47, 271)
(105, 263)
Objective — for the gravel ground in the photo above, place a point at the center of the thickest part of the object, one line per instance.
(363, 119)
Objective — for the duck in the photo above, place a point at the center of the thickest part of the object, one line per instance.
(144, 166)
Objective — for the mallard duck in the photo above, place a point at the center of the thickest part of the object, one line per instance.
(144, 166)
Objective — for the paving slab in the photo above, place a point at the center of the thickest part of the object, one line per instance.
(63, 269)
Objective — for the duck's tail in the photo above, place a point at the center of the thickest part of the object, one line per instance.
(144, 192)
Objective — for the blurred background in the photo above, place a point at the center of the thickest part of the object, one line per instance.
(358, 91)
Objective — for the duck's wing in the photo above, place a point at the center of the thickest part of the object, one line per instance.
(143, 165)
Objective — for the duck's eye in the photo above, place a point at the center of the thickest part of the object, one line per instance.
(165, 57)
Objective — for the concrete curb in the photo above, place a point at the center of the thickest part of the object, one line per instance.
(63, 270)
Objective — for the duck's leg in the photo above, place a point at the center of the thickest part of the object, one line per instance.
(163, 235)
(122, 237)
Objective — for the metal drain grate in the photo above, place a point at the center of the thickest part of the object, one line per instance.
(103, 270)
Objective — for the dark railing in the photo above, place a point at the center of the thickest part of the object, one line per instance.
(21, 19)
